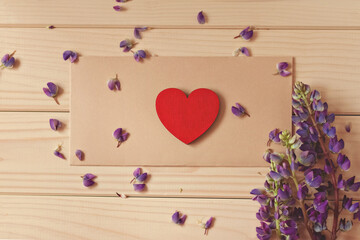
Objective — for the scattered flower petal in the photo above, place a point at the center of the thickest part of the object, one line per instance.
(7, 61)
(55, 124)
(139, 187)
(58, 153)
(127, 45)
(201, 18)
(114, 83)
(281, 69)
(348, 127)
(177, 219)
(117, 8)
(246, 34)
(88, 179)
(120, 136)
(137, 31)
(239, 110)
(79, 154)
(139, 55)
(242, 50)
(70, 55)
(50, 27)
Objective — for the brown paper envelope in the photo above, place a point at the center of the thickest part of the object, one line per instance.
(231, 141)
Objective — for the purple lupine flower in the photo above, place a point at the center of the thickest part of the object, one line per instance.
(317, 106)
(285, 193)
(313, 178)
(302, 191)
(275, 176)
(79, 154)
(138, 176)
(114, 83)
(266, 155)
(336, 146)
(318, 227)
(70, 54)
(344, 225)
(329, 131)
(343, 162)
(88, 179)
(200, 17)
(283, 171)
(348, 127)
(315, 95)
(351, 185)
(7, 61)
(208, 225)
(274, 136)
(117, 8)
(55, 124)
(329, 166)
(281, 69)
(289, 227)
(264, 214)
(307, 158)
(263, 232)
(242, 50)
(127, 45)
(52, 90)
(348, 205)
(177, 219)
(320, 202)
(139, 55)
(256, 192)
(246, 34)
(121, 1)
(59, 154)
(261, 199)
(138, 187)
(120, 136)
(137, 31)
(239, 110)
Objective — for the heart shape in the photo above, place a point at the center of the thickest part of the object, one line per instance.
(187, 118)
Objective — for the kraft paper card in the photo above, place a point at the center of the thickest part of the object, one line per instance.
(177, 110)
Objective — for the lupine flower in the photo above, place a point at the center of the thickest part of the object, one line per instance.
(242, 50)
(347, 185)
(274, 136)
(266, 155)
(315, 95)
(313, 178)
(139, 179)
(51, 91)
(264, 214)
(114, 83)
(263, 232)
(126, 44)
(329, 166)
(7, 61)
(70, 54)
(289, 227)
(329, 131)
(345, 225)
(285, 193)
(307, 158)
(120, 136)
(336, 146)
(201, 18)
(302, 192)
(121, 1)
(343, 162)
(88, 179)
(139, 55)
(276, 157)
(317, 106)
(320, 202)
(348, 127)
(281, 69)
(207, 225)
(246, 34)
(256, 192)
(275, 176)
(137, 31)
(261, 199)
(79, 154)
(58, 153)
(55, 124)
(239, 110)
(348, 205)
(318, 227)
(117, 8)
(177, 219)
(283, 171)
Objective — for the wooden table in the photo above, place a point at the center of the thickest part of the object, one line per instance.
(43, 197)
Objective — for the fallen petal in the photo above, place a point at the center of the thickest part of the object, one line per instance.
(201, 17)
(137, 33)
(53, 88)
(137, 172)
(175, 217)
(47, 92)
(142, 177)
(117, 133)
(79, 154)
(282, 66)
(73, 57)
(284, 73)
(139, 187)
(59, 154)
(66, 55)
(245, 51)
(117, 8)
(55, 124)
(88, 183)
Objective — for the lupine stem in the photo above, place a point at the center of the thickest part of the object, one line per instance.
(276, 205)
(333, 177)
(302, 205)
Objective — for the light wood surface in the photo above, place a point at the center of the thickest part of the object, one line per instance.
(42, 197)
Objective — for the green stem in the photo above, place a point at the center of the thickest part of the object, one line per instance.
(276, 205)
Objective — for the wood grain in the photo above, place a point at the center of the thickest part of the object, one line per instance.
(320, 59)
(86, 218)
(172, 13)
(28, 165)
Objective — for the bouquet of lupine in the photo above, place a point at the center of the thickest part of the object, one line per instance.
(305, 176)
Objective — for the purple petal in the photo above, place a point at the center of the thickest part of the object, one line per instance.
(142, 177)
(121, 1)
(59, 154)
(201, 17)
(5, 58)
(175, 217)
(124, 43)
(248, 35)
(282, 66)
(117, 85)
(182, 220)
(256, 192)
(245, 51)
(284, 73)
(124, 137)
(79, 154)
(54, 124)
(89, 176)
(141, 53)
(355, 187)
(66, 55)
(10, 63)
(53, 88)
(137, 172)
(139, 187)
(208, 223)
(73, 57)
(47, 92)
(137, 57)
(348, 127)
(117, 133)
(236, 111)
(88, 183)
(111, 84)
(117, 8)
(137, 33)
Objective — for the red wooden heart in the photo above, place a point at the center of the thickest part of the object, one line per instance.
(187, 118)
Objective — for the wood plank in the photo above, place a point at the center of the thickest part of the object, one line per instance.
(319, 59)
(170, 13)
(34, 217)
(28, 165)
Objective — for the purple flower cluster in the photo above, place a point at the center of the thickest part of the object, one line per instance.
(318, 158)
